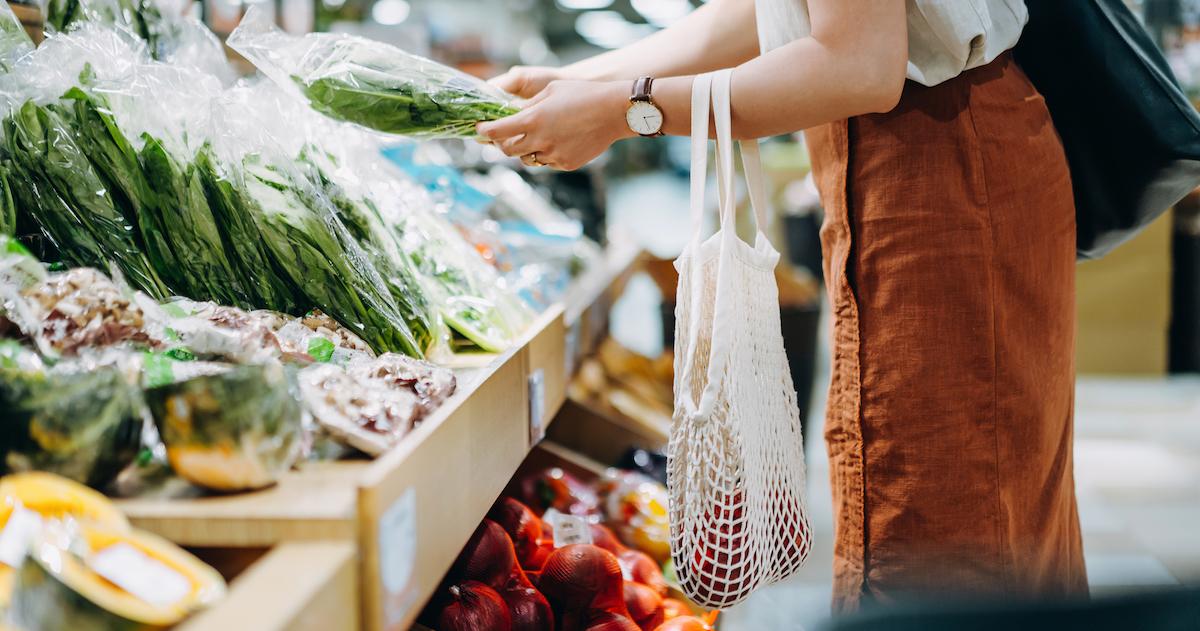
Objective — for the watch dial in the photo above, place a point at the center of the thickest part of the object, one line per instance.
(644, 118)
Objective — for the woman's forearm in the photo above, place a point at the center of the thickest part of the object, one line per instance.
(836, 73)
(853, 62)
(720, 34)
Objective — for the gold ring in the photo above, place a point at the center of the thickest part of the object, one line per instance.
(533, 160)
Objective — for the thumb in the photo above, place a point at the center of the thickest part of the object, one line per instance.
(512, 82)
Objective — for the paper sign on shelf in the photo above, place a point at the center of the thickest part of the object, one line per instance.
(398, 541)
(568, 529)
(18, 533)
(537, 406)
(143, 577)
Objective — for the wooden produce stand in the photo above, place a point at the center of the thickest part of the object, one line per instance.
(363, 544)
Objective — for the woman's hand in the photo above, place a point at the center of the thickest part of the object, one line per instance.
(527, 81)
(566, 125)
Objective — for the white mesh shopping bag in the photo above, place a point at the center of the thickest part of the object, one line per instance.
(735, 469)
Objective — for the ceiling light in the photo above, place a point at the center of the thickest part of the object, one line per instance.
(390, 12)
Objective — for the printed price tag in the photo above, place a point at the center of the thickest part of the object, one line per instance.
(537, 406)
(571, 349)
(18, 533)
(398, 541)
(146, 579)
(568, 529)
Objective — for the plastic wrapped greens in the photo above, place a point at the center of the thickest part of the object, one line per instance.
(85, 426)
(209, 208)
(78, 213)
(168, 34)
(14, 41)
(371, 84)
(235, 430)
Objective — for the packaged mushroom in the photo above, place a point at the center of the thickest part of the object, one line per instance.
(371, 404)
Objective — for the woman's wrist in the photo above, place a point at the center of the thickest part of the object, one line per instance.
(616, 103)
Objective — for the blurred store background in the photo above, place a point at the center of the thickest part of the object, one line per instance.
(1138, 396)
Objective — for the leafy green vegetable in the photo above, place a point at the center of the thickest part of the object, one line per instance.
(116, 161)
(141, 17)
(319, 262)
(363, 220)
(191, 232)
(402, 106)
(8, 208)
(71, 202)
(265, 284)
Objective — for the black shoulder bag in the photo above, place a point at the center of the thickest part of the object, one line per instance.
(1131, 136)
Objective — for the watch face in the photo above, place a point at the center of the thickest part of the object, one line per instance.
(644, 118)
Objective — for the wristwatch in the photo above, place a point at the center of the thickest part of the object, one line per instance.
(643, 116)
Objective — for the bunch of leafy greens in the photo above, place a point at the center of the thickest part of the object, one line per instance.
(50, 174)
(245, 234)
(320, 258)
(400, 105)
(361, 216)
(141, 17)
(375, 85)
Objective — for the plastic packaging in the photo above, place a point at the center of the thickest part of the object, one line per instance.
(14, 41)
(82, 425)
(369, 83)
(370, 404)
(235, 430)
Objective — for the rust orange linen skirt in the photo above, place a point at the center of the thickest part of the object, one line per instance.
(949, 244)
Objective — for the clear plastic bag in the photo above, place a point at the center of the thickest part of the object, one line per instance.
(369, 83)
(14, 41)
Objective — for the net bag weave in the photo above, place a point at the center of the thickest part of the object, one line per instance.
(735, 467)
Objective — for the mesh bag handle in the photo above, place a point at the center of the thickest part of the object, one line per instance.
(735, 469)
(716, 85)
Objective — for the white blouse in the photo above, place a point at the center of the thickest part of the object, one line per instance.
(945, 37)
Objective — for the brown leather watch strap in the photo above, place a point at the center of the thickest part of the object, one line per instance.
(641, 89)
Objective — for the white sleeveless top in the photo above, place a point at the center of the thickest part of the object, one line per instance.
(945, 37)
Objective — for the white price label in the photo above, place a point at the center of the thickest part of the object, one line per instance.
(398, 542)
(18, 533)
(145, 578)
(568, 529)
(537, 406)
(571, 350)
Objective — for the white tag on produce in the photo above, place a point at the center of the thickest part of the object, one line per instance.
(145, 578)
(568, 529)
(18, 533)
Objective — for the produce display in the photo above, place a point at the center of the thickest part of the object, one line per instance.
(71, 561)
(512, 574)
(205, 284)
(369, 83)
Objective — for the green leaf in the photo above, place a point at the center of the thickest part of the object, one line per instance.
(320, 349)
(158, 369)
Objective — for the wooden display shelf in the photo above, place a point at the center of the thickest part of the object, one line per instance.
(300, 586)
(404, 515)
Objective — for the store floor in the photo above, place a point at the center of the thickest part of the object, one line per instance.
(1137, 454)
(1137, 472)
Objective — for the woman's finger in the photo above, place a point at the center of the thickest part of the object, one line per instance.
(518, 145)
(506, 127)
(511, 82)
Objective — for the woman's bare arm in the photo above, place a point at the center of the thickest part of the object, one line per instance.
(853, 63)
(720, 34)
